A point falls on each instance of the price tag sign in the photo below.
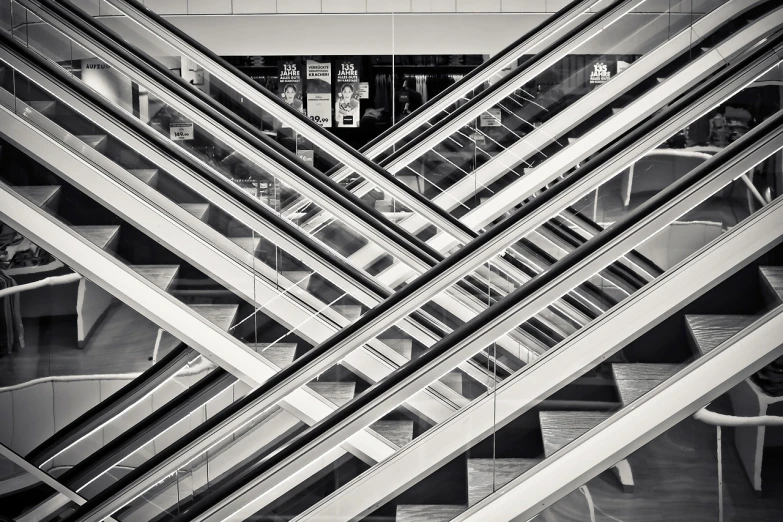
(364, 90)
(490, 118)
(181, 131)
(319, 109)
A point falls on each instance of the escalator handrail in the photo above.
(239, 478)
(771, 46)
(78, 21)
(502, 56)
(117, 402)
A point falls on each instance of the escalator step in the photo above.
(487, 475)
(708, 331)
(199, 210)
(104, 237)
(428, 513)
(559, 428)
(772, 279)
(148, 176)
(337, 393)
(47, 108)
(400, 432)
(160, 275)
(248, 244)
(98, 142)
(635, 379)
(40, 195)
(279, 354)
(221, 315)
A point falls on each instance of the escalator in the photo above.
(719, 89)
(565, 239)
(626, 31)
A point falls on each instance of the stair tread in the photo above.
(221, 315)
(428, 512)
(159, 275)
(337, 393)
(99, 235)
(559, 428)
(279, 354)
(403, 347)
(40, 195)
(454, 380)
(487, 475)
(709, 331)
(351, 312)
(93, 140)
(248, 244)
(145, 175)
(635, 379)
(400, 432)
(773, 275)
(198, 210)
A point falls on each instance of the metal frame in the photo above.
(649, 140)
(447, 127)
(62, 496)
(240, 84)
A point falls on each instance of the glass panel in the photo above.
(245, 243)
(213, 389)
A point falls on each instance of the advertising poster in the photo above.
(600, 73)
(319, 92)
(346, 107)
(290, 84)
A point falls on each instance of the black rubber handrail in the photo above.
(759, 53)
(243, 476)
(116, 403)
(356, 155)
(360, 211)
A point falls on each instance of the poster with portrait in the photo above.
(319, 92)
(290, 84)
(346, 106)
